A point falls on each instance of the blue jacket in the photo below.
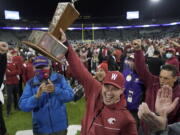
(49, 111)
(134, 89)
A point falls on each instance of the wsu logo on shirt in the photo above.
(111, 121)
(114, 76)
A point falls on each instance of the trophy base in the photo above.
(41, 51)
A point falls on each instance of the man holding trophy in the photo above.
(106, 113)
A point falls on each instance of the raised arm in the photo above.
(78, 69)
(140, 64)
(174, 43)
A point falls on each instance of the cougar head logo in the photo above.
(111, 120)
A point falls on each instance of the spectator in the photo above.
(134, 87)
(18, 60)
(112, 65)
(155, 62)
(168, 76)
(45, 95)
(101, 71)
(28, 70)
(3, 62)
(171, 58)
(12, 83)
(150, 50)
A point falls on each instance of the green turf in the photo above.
(22, 120)
(75, 111)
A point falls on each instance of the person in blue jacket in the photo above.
(45, 95)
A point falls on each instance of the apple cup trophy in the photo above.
(47, 43)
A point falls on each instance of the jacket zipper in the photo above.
(50, 114)
(97, 114)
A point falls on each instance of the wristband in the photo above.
(66, 43)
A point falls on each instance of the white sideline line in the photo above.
(72, 130)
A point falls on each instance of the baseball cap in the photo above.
(40, 61)
(115, 78)
(103, 66)
(170, 50)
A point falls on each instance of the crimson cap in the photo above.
(115, 78)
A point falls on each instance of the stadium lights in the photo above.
(96, 28)
(155, 1)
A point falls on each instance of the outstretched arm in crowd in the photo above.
(174, 43)
(140, 64)
(164, 105)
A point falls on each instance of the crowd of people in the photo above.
(130, 87)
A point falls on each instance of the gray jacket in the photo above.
(172, 129)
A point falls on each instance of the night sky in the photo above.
(39, 9)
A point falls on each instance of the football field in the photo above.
(19, 120)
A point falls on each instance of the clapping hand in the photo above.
(154, 122)
(41, 89)
(164, 104)
(49, 87)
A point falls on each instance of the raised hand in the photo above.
(164, 104)
(3, 47)
(41, 89)
(63, 36)
(137, 44)
(49, 87)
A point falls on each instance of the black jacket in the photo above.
(3, 62)
(155, 64)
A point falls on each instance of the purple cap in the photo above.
(40, 61)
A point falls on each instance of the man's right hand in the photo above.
(137, 44)
(63, 36)
(41, 89)
(3, 47)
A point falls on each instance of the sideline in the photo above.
(72, 130)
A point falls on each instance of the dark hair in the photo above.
(156, 52)
(171, 68)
